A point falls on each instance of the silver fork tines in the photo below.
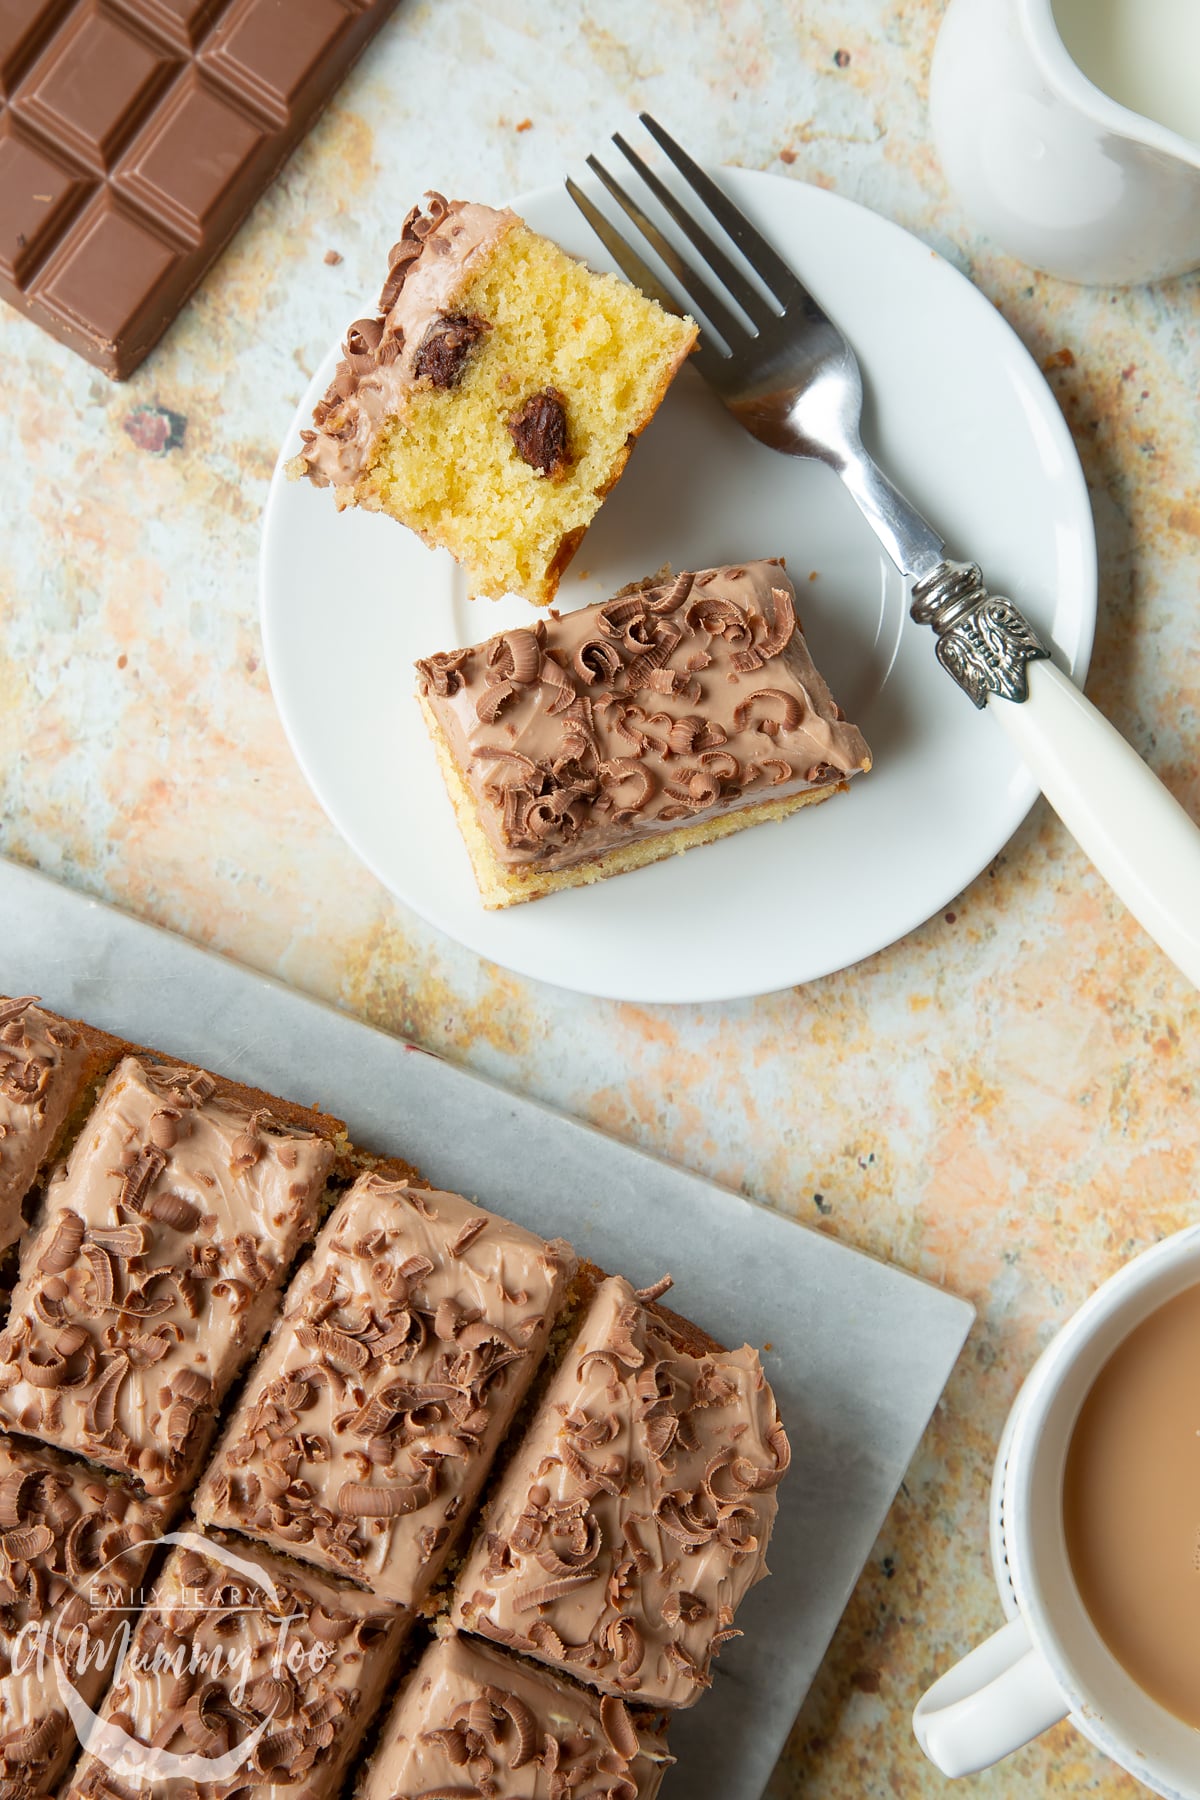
(772, 354)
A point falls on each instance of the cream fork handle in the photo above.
(1139, 837)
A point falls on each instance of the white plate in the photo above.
(960, 416)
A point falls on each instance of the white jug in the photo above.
(1096, 183)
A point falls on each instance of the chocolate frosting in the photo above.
(155, 1271)
(205, 1671)
(476, 1724)
(675, 702)
(75, 1547)
(406, 1344)
(636, 1513)
(387, 358)
(42, 1062)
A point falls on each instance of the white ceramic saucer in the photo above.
(962, 419)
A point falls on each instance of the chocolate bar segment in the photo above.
(407, 1342)
(75, 1545)
(246, 1675)
(135, 135)
(635, 1515)
(514, 1732)
(156, 1270)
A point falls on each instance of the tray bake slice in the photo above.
(156, 1268)
(469, 1713)
(597, 742)
(243, 1664)
(75, 1545)
(635, 1514)
(406, 1345)
(47, 1068)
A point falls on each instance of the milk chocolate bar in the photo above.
(135, 136)
(407, 1342)
(636, 1512)
(156, 1269)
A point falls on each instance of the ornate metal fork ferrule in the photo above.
(983, 640)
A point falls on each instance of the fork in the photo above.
(790, 377)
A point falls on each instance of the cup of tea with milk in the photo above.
(1096, 1543)
(1070, 129)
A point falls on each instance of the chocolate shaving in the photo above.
(25, 1543)
(16, 1489)
(524, 655)
(122, 1241)
(523, 1723)
(547, 1592)
(656, 1290)
(442, 673)
(102, 1402)
(470, 1231)
(618, 1727)
(101, 1267)
(145, 1169)
(63, 1248)
(334, 1347)
(363, 1502)
(779, 634)
(493, 700)
(793, 712)
(247, 1147)
(172, 1209)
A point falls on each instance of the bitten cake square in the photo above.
(156, 1269)
(46, 1064)
(75, 1545)
(406, 1344)
(246, 1676)
(608, 738)
(493, 403)
(471, 1720)
(636, 1513)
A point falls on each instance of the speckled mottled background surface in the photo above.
(1012, 1137)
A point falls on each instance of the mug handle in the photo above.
(1000, 1696)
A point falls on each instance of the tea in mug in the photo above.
(1131, 1504)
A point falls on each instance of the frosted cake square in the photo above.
(517, 1732)
(156, 1269)
(406, 1344)
(46, 1067)
(635, 1514)
(76, 1544)
(246, 1676)
(593, 743)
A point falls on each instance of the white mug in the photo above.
(1053, 169)
(1049, 1662)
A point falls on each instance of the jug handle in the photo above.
(1000, 1696)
